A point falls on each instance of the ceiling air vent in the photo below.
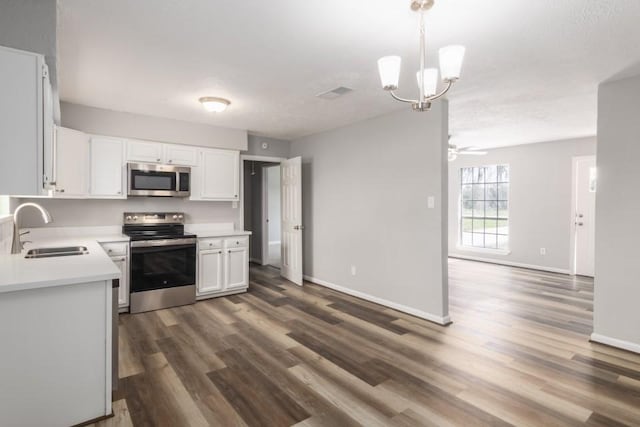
(334, 93)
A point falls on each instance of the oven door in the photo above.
(162, 264)
(158, 180)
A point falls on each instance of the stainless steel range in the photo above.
(163, 260)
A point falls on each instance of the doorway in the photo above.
(583, 215)
(261, 210)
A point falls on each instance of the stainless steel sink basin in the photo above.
(55, 252)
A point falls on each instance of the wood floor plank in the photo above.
(254, 396)
(518, 353)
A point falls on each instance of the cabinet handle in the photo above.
(229, 251)
(210, 244)
(158, 159)
(220, 252)
(119, 192)
(170, 161)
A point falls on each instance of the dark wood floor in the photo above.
(517, 353)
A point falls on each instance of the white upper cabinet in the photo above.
(181, 155)
(107, 168)
(158, 152)
(218, 175)
(26, 121)
(144, 151)
(71, 162)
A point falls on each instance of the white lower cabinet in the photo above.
(210, 271)
(123, 291)
(236, 263)
(119, 254)
(223, 266)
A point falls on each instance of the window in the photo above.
(484, 219)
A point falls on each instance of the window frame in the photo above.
(461, 217)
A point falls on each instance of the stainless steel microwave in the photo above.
(147, 179)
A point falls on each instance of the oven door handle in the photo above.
(167, 242)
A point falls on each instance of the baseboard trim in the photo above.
(444, 321)
(512, 264)
(256, 260)
(614, 342)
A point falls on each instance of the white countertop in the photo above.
(18, 273)
(214, 233)
(215, 230)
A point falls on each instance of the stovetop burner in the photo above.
(155, 226)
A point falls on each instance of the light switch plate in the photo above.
(431, 202)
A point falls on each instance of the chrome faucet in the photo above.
(16, 246)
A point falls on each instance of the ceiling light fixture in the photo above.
(213, 104)
(451, 58)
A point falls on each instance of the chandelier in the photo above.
(451, 58)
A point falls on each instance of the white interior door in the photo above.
(585, 211)
(291, 215)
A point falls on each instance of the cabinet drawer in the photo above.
(236, 242)
(206, 244)
(115, 249)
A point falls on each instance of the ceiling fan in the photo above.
(454, 152)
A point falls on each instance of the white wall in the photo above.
(275, 147)
(128, 125)
(365, 189)
(540, 201)
(272, 175)
(617, 288)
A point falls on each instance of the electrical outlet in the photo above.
(431, 202)
(353, 270)
(543, 251)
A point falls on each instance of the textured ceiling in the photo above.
(530, 75)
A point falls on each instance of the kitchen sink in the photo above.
(55, 252)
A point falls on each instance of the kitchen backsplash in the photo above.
(6, 234)
(79, 213)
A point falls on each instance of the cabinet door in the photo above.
(21, 107)
(144, 151)
(182, 155)
(209, 271)
(236, 268)
(123, 292)
(220, 174)
(71, 163)
(107, 168)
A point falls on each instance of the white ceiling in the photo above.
(530, 75)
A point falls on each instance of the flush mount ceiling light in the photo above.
(213, 104)
(451, 58)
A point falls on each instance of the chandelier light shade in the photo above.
(429, 79)
(213, 104)
(451, 58)
(389, 69)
